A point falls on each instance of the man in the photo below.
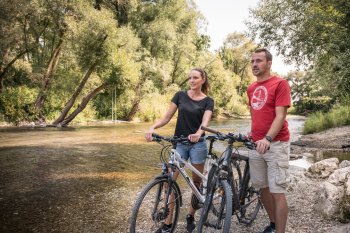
(269, 99)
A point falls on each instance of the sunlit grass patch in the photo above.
(338, 116)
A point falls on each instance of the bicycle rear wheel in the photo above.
(250, 203)
(154, 205)
(217, 209)
(235, 180)
(237, 175)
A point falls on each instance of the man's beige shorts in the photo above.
(272, 168)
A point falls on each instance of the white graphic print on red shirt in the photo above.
(259, 98)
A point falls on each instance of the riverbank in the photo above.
(334, 139)
(86, 179)
(302, 191)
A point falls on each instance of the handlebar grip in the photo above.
(156, 135)
(210, 130)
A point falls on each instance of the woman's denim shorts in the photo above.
(197, 153)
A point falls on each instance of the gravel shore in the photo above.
(80, 182)
(302, 216)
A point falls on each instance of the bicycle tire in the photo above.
(235, 180)
(237, 172)
(150, 209)
(250, 202)
(219, 194)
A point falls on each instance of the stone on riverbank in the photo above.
(344, 163)
(332, 197)
(323, 168)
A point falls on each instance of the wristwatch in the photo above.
(268, 138)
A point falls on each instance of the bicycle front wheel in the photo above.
(217, 209)
(158, 201)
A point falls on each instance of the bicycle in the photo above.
(162, 197)
(245, 198)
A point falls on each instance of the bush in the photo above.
(154, 105)
(15, 103)
(313, 104)
(338, 116)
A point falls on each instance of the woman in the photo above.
(195, 110)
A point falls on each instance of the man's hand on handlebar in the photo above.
(262, 146)
(249, 135)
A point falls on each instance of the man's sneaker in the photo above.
(190, 223)
(164, 229)
(270, 229)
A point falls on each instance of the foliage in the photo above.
(223, 90)
(307, 93)
(236, 54)
(135, 54)
(15, 102)
(154, 104)
(313, 33)
(338, 116)
(301, 30)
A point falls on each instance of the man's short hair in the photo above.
(268, 55)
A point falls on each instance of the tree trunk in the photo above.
(134, 109)
(75, 95)
(70, 103)
(176, 61)
(82, 105)
(136, 101)
(39, 103)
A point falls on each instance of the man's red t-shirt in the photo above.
(264, 97)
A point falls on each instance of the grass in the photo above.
(337, 116)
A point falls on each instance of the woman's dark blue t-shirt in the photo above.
(190, 113)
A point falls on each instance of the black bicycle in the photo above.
(245, 198)
(161, 198)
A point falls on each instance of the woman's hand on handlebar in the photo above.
(148, 134)
(194, 137)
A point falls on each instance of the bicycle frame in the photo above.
(179, 163)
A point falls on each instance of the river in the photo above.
(83, 178)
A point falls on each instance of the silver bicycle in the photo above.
(161, 198)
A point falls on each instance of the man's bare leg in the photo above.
(268, 202)
(281, 211)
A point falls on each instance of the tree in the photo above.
(224, 90)
(307, 92)
(169, 35)
(314, 33)
(235, 54)
(103, 50)
(16, 33)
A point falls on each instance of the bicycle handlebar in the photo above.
(236, 138)
(210, 130)
(174, 139)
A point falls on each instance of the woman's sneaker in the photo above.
(164, 229)
(190, 223)
(270, 228)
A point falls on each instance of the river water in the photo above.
(84, 178)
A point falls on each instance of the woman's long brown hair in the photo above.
(206, 86)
